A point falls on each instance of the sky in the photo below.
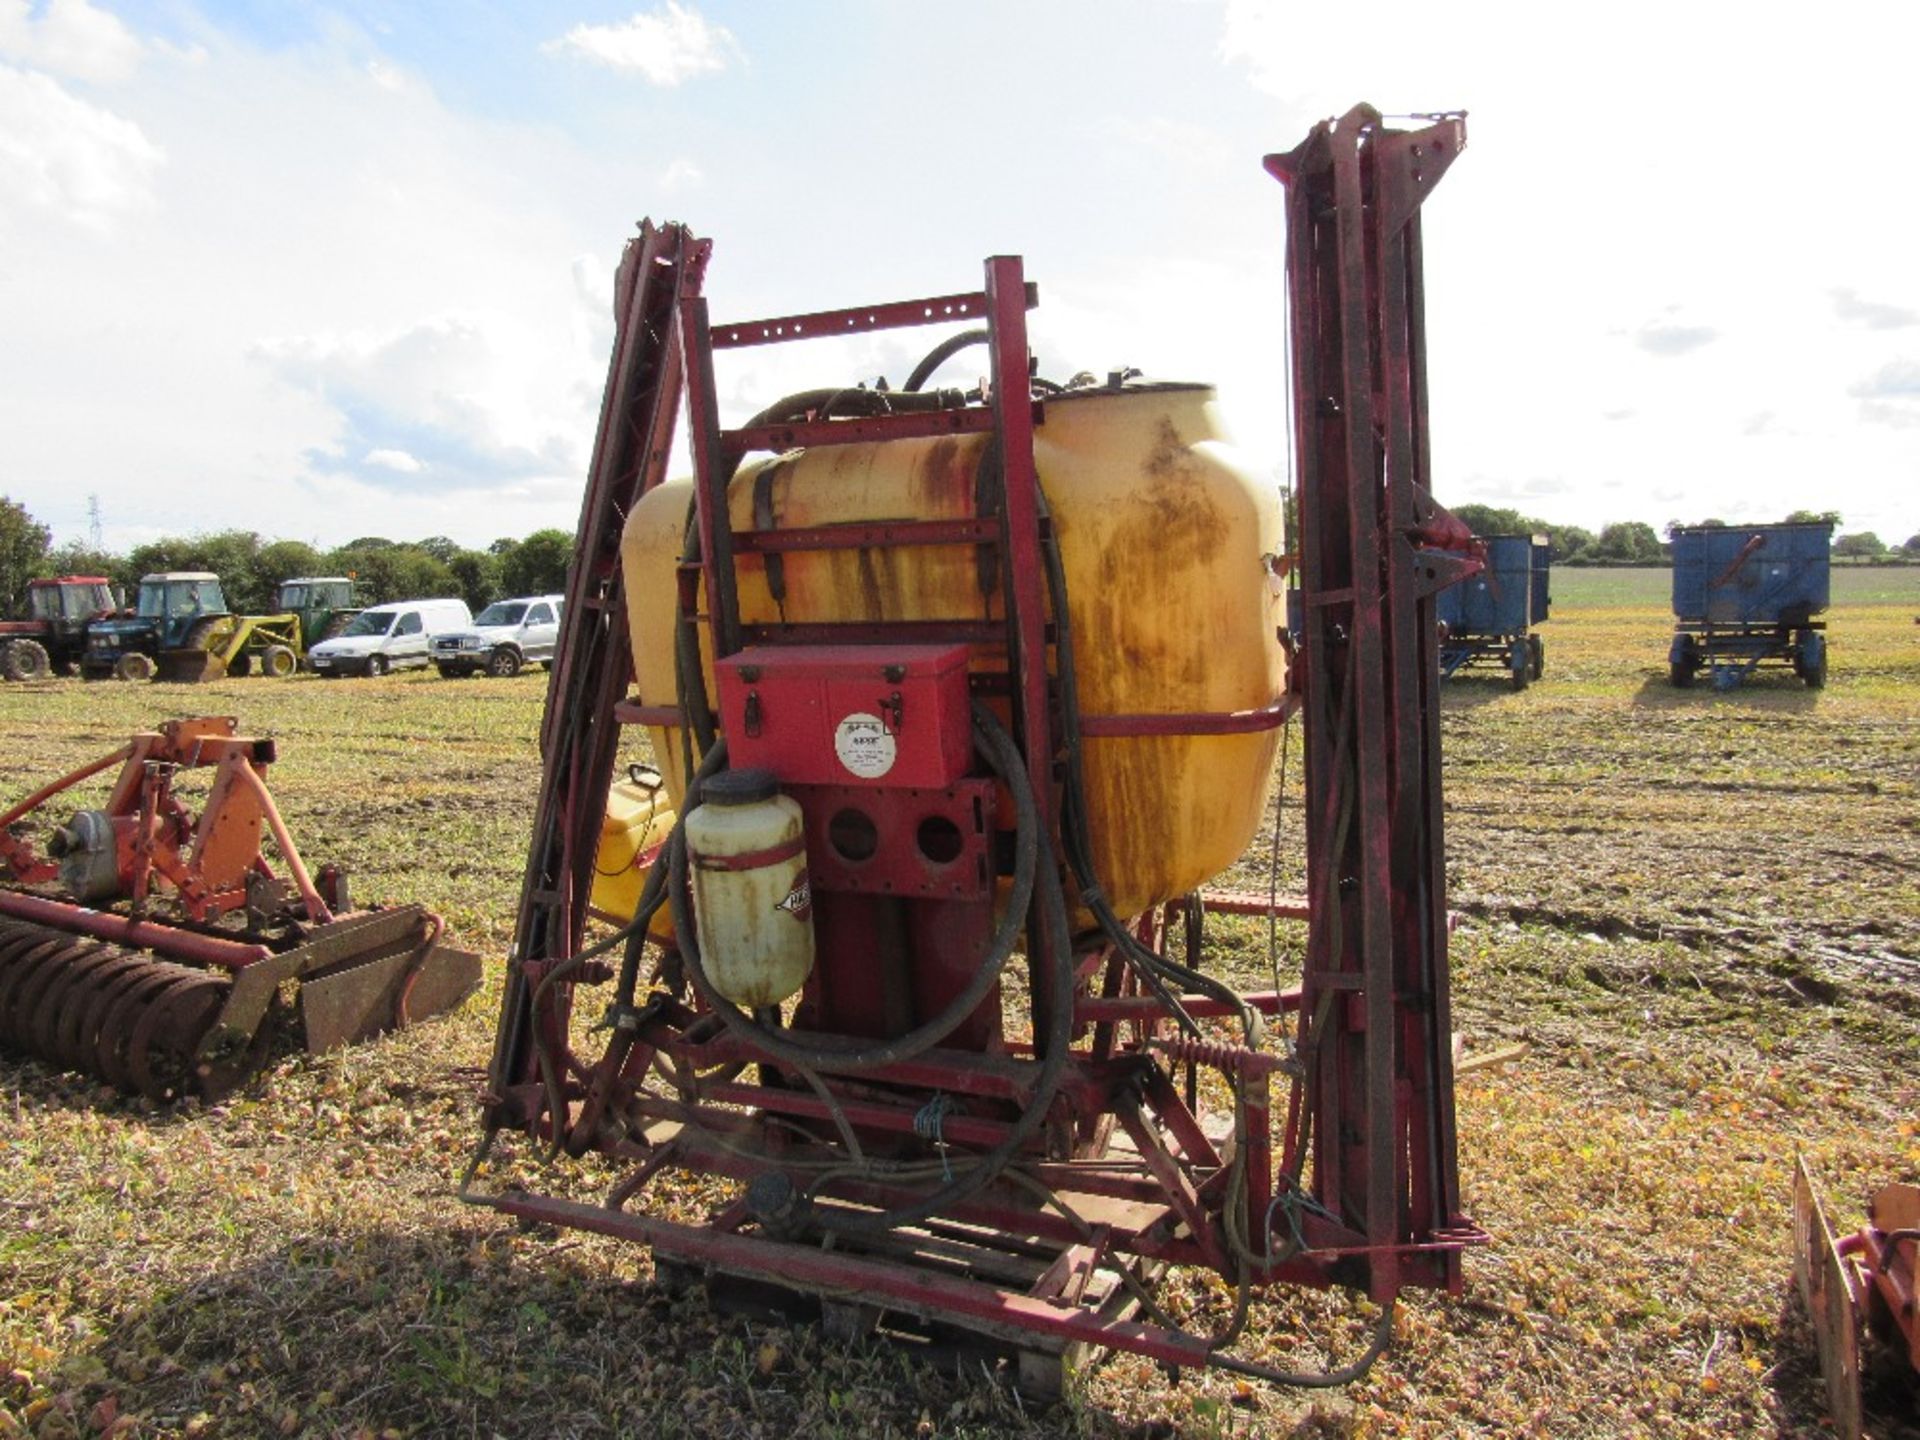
(334, 270)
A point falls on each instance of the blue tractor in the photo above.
(1488, 619)
(170, 605)
(1746, 596)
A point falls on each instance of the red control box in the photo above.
(893, 715)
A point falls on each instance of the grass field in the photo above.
(1699, 911)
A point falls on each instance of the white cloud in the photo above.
(670, 45)
(436, 404)
(59, 153)
(1874, 314)
(1673, 337)
(69, 38)
(397, 460)
(682, 174)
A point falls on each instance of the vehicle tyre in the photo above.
(1537, 655)
(453, 672)
(277, 662)
(134, 666)
(241, 665)
(25, 660)
(504, 663)
(1520, 662)
(1810, 660)
(1680, 674)
(376, 666)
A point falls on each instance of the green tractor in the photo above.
(325, 604)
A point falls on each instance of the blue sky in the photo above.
(334, 270)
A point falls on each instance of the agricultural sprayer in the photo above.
(152, 948)
(962, 697)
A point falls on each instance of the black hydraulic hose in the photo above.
(791, 409)
(842, 1054)
(943, 352)
(1316, 1379)
(1053, 1063)
(690, 682)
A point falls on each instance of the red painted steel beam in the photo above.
(1198, 722)
(1202, 1007)
(164, 940)
(858, 319)
(1239, 902)
(878, 632)
(925, 1292)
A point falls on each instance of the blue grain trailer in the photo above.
(1488, 619)
(1746, 596)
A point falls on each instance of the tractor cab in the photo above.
(177, 600)
(169, 606)
(324, 603)
(65, 605)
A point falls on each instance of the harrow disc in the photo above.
(134, 1021)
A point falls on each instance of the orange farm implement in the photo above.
(148, 946)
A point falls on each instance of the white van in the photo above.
(394, 636)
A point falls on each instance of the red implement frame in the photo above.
(1869, 1280)
(1135, 1178)
(1376, 977)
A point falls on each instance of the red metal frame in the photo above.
(1359, 1157)
(1375, 984)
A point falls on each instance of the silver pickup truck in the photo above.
(506, 636)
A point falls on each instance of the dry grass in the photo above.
(1700, 910)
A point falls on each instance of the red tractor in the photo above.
(53, 636)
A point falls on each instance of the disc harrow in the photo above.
(151, 948)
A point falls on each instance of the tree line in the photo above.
(251, 567)
(1634, 542)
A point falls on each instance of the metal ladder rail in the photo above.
(1377, 938)
(1009, 420)
(593, 664)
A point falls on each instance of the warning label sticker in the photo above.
(865, 746)
(799, 901)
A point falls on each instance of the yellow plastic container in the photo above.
(1168, 541)
(638, 820)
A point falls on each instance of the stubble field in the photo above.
(1700, 912)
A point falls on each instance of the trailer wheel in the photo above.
(1537, 655)
(1810, 659)
(25, 660)
(133, 666)
(1520, 662)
